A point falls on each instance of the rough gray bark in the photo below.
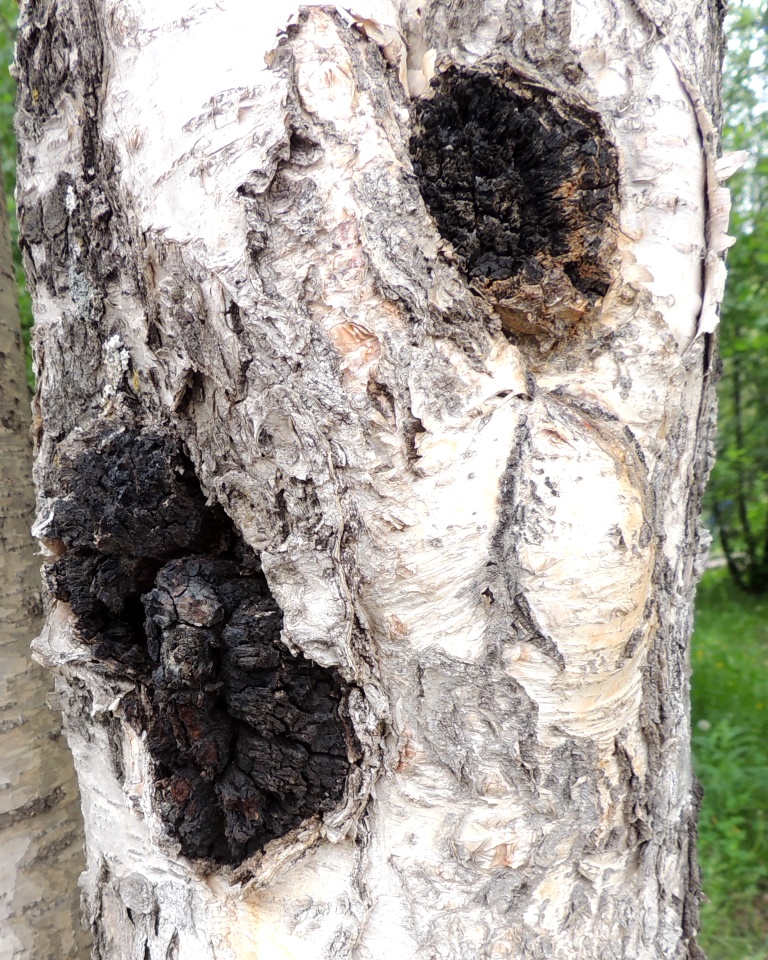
(41, 831)
(374, 415)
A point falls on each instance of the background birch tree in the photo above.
(41, 833)
(374, 411)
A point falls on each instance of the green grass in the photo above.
(730, 746)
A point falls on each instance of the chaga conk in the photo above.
(247, 739)
(524, 186)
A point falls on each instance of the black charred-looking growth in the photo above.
(247, 740)
(515, 179)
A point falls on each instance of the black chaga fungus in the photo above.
(232, 707)
(524, 187)
(246, 739)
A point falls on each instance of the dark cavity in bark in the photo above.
(523, 185)
(246, 739)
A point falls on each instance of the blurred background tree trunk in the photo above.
(41, 831)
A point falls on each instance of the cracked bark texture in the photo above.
(41, 830)
(419, 305)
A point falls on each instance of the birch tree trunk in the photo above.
(41, 831)
(374, 412)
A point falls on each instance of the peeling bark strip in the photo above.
(246, 739)
(442, 364)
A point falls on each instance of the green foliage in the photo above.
(8, 12)
(730, 646)
(730, 732)
(8, 15)
(738, 492)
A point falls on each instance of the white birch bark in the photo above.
(41, 831)
(477, 500)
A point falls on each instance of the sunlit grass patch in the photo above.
(730, 745)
